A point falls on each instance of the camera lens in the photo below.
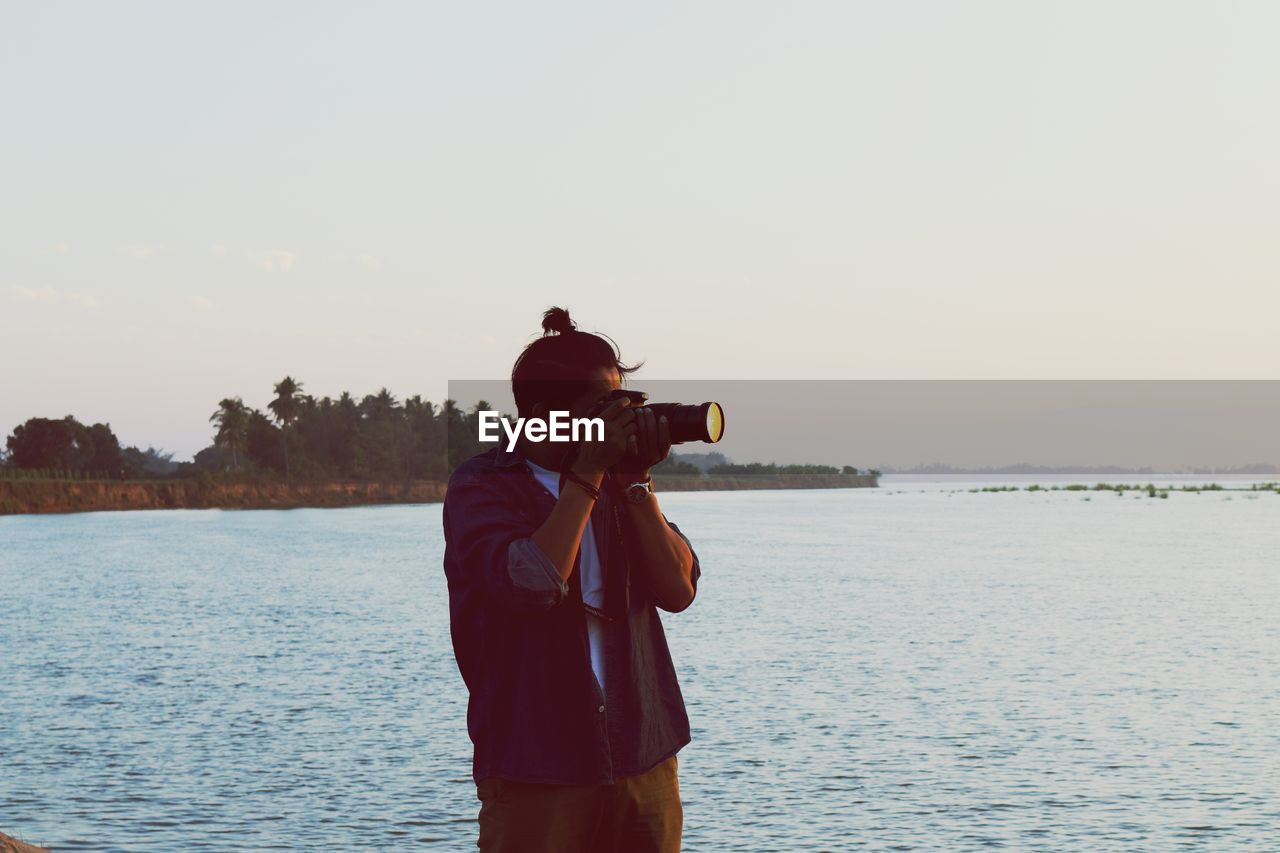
(715, 422)
(692, 423)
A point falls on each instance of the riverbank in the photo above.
(781, 481)
(9, 844)
(23, 497)
(19, 497)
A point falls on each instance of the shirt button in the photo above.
(600, 709)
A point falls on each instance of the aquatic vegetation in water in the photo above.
(1120, 489)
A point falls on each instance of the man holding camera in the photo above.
(556, 564)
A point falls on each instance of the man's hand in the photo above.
(650, 444)
(620, 429)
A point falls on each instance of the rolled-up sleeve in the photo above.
(694, 573)
(490, 536)
(533, 577)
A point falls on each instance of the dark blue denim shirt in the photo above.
(536, 712)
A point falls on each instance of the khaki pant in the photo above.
(636, 813)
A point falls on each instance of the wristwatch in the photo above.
(639, 492)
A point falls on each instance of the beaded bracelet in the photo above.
(578, 481)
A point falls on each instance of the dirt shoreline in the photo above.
(9, 844)
(25, 497)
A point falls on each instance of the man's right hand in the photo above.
(595, 457)
(561, 534)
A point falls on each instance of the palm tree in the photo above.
(380, 406)
(285, 407)
(232, 419)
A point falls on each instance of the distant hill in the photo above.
(704, 462)
(1259, 468)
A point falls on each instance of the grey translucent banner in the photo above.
(1205, 427)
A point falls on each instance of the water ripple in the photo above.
(863, 670)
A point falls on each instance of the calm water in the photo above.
(910, 667)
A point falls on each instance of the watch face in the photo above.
(637, 492)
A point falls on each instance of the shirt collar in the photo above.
(508, 458)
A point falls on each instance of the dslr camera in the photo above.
(703, 422)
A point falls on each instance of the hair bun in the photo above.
(557, 320)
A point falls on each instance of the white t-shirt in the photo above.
(592, 577)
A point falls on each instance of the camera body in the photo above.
(703, 422)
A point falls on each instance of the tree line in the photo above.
(757, 469)
(64, 448)
(298, 437)
(377, 438)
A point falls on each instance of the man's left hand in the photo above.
(650, 445)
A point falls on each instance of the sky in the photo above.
(198, 199)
